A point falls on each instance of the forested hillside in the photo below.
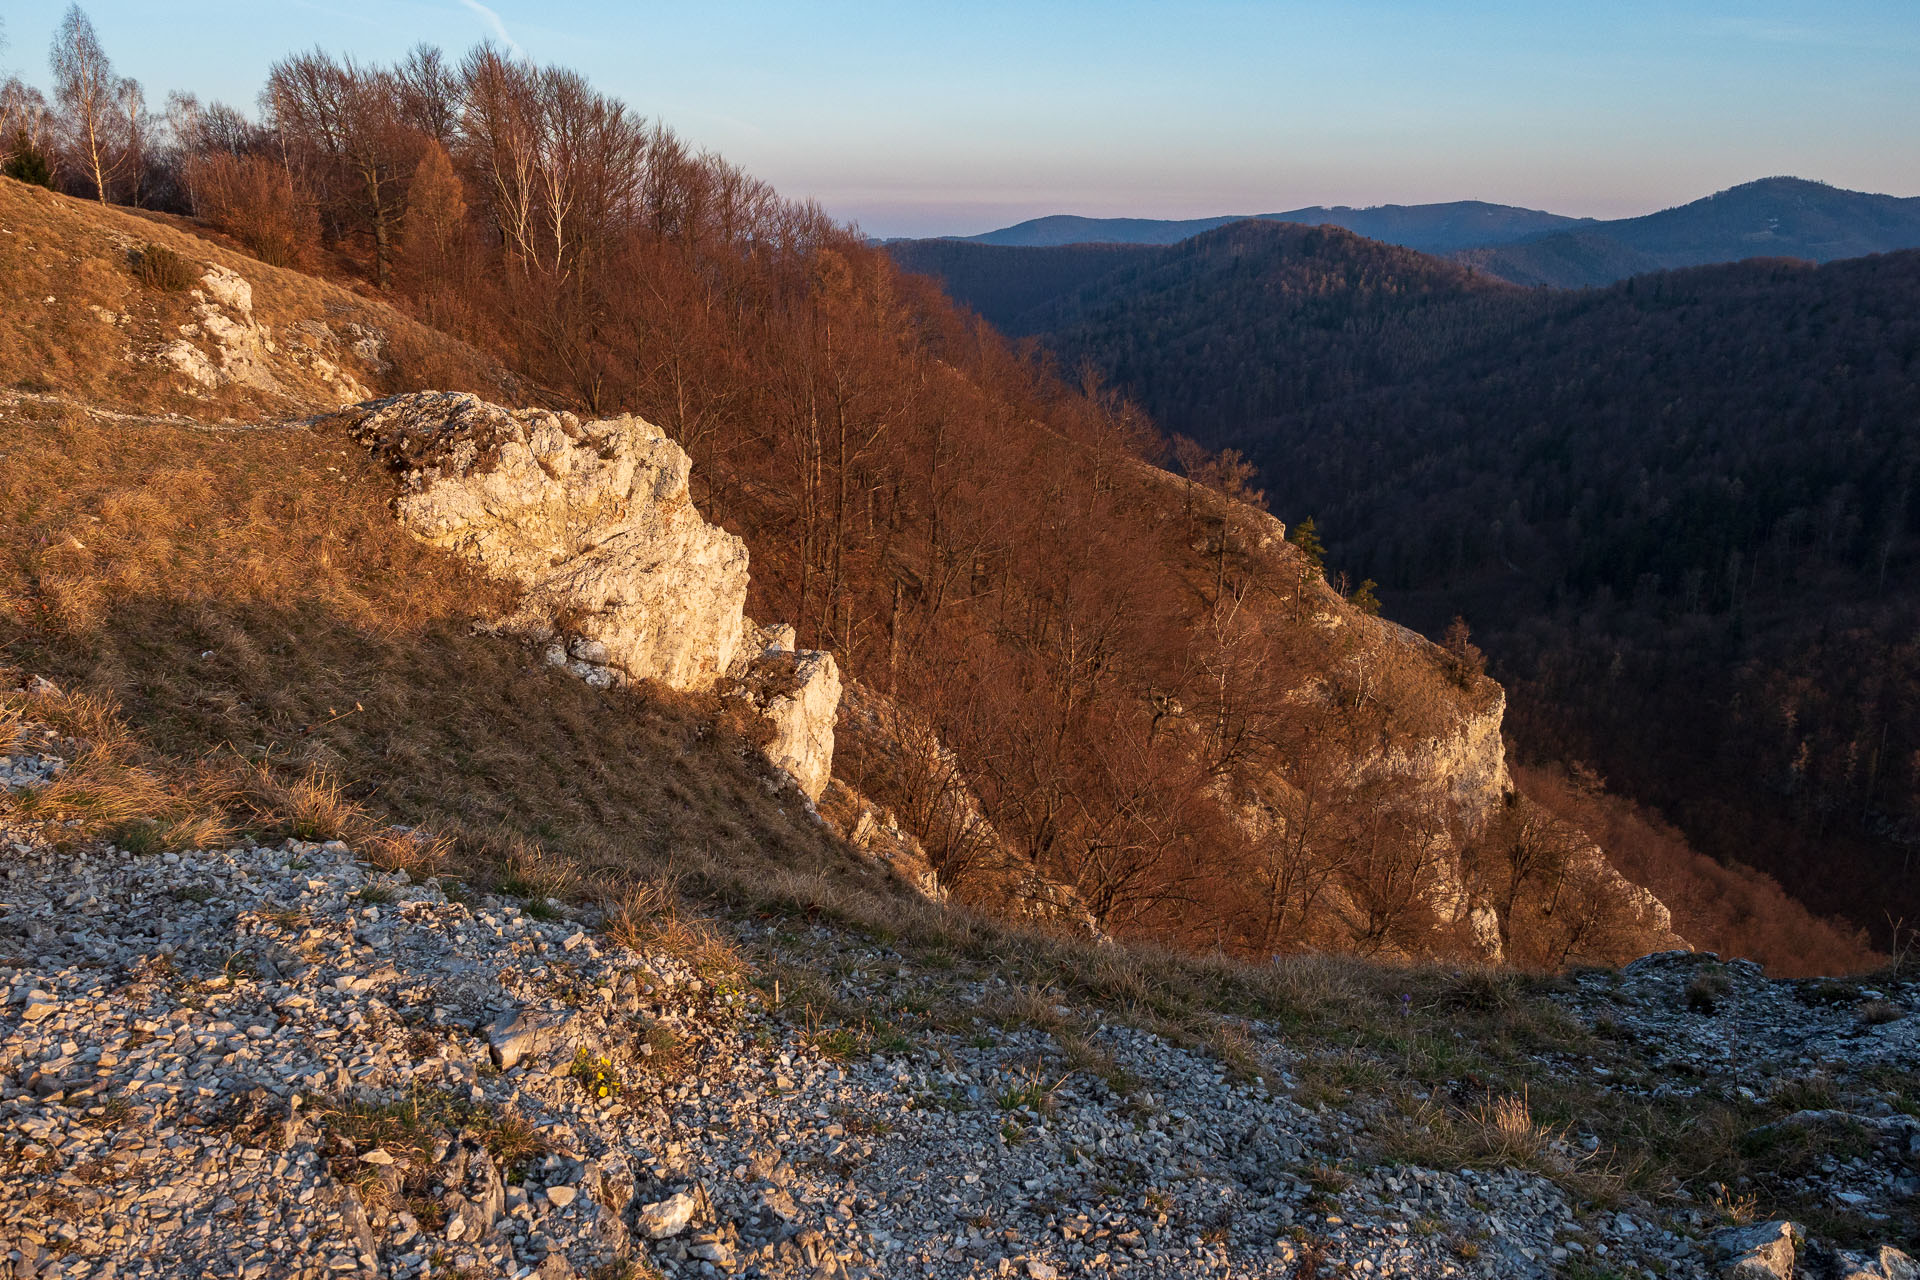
(1137, 687)
(1014, 287)
(1679, 512)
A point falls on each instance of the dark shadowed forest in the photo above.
(1678, 512)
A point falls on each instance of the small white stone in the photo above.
(667, 1217)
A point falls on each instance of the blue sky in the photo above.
(954, 118)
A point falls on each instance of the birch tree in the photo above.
(90, 96)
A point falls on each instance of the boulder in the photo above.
(798, 695)
(620, 577)
(591, 520)
(1886, 1263)
(669, 1217)
(522, 1035)
(475, 1196)
(609, 1184)
(1763, 1251)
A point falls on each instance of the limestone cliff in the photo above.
(1382, 763)
(619, 575)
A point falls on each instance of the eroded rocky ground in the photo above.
(277, 1061)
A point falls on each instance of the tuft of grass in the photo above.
(313, 806)
(636, 911)
(418, 853)
(1877, 1013)
(1735, 1210)
(834, 1043)
(1089, 1057)
(1234, 1047)
(1707, 990)
(1500, 1131)
(1028, 1090)
(1507, 1131)
(158, 267)
(665, 1053)
(1478, 991)
(201, 830)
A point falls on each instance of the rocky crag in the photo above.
(1431, 755)
(621, 579)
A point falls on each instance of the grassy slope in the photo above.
(246, 595)
(64, 262)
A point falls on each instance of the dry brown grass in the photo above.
(71, 265)
(247, 602)
(159, 267)
(114, 788)
(1496, 1132)
(1507, 1130)
(312, 805)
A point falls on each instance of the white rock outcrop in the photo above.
(592, 520)
(621, 578)
(227, 345)
(238, 349)
(797, 692)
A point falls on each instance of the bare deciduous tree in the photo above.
(343, 122)
(91, 97)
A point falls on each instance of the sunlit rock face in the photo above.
(592, 520)
(621, 578)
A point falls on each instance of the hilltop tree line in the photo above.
(966, 529)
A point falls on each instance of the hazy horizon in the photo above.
(962, 121)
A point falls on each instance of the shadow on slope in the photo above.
(246, 595)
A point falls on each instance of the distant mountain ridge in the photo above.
(1430, 228)
(1771, 217)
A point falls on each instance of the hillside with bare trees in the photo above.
(1145, 680)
